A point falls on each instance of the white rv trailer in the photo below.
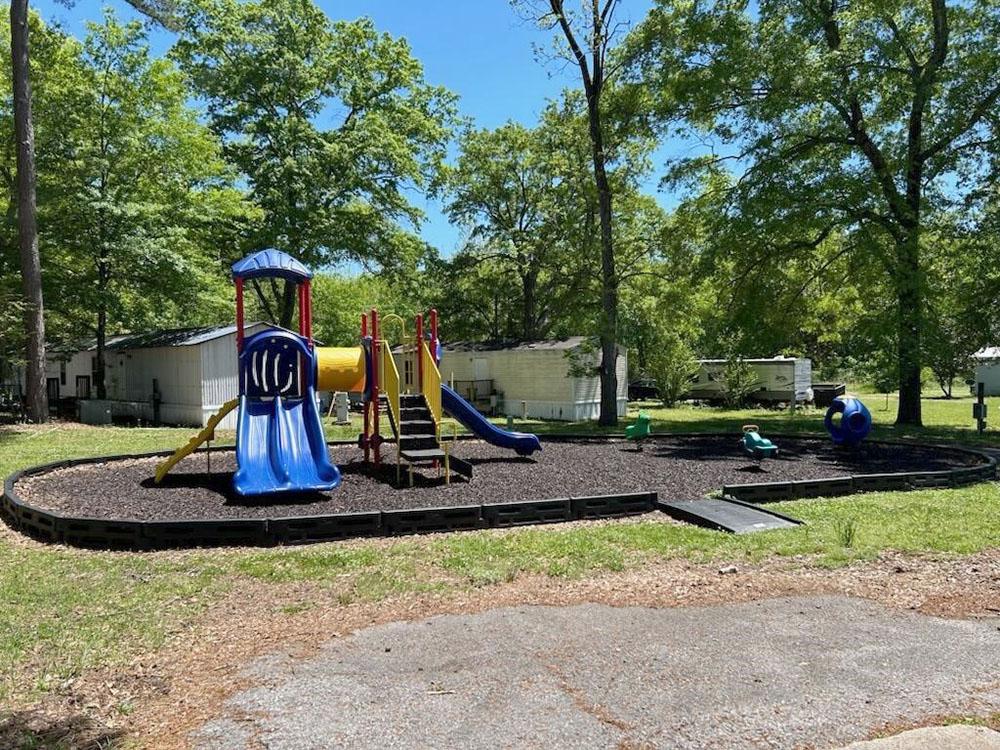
(780, 379)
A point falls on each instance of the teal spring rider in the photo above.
(755, 445)
(855, 421)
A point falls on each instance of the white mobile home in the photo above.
(179, 376)
(69, 370)
(988, 369)
(779, 379)
(529, 379)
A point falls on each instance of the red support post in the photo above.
(434, 333)
(376, 361)
(239, 315)
(420, 360)
(367, 412)
(300, 291)
(308, 307)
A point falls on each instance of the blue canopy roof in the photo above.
(270, 263)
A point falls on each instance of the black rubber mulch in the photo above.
(677, 468)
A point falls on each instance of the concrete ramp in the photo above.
(726, 514)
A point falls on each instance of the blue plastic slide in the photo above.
(280, 447)
(522, 442)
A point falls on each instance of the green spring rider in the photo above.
(641, 429)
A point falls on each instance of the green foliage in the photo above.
(133, 194)
(339, 301)
(857, 124)
(330, 123)
(532, 264)
(847, 531)
(739, 381)
(672, 365)
(504, 190)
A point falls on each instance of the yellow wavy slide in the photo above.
(192, 445)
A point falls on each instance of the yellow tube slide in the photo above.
(340, 368)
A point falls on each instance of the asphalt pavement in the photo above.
(783, 673)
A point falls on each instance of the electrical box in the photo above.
(342, 407)
(979, 411)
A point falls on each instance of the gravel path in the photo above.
(781, 673)
(677, 468)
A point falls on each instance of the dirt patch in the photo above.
(676, 468)
(183, 685)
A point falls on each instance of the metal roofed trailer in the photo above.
(780, 380)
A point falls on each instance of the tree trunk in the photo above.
(101, 366)
(101, 355)
(910, 313)
(609, 278)
(529, 322)
(36, 398)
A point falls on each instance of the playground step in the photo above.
(414, 412)
(416, 427)
(422, 454)
(411, 442)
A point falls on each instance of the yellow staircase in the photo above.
(192, 445)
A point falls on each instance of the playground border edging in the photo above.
(105, 533)
(102, 533)
(771, 492)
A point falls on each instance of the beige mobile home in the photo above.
(528, 379)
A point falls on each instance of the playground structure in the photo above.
(854, 424)
(280, 445)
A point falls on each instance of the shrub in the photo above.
(672, 367)
(739, 381)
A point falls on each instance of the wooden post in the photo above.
(979, 409)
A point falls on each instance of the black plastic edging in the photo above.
(768, 492)
(169, 533)
(106, 533)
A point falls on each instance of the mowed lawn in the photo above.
(67, 610)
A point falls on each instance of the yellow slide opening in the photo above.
(340, 368)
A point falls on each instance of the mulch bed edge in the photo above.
(52, 526)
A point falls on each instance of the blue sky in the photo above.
(480, 49)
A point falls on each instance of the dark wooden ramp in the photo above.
(726, 514)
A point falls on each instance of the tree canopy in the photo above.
(331, 124)
(863, 118)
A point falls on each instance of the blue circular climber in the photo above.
(855, 421)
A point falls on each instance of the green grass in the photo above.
(66, 611)
(944, 419)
